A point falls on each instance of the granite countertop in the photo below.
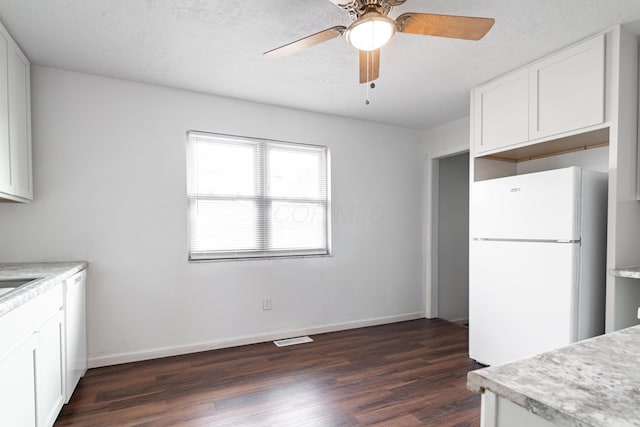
(49, 273)
(632, 272)
(591, 383)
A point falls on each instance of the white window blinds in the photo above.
(253, 198)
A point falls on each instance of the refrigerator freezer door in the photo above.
(522, 299)
(536, 206)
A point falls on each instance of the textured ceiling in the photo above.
(215, 46)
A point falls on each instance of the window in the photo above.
(252, 198)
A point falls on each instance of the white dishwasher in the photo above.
(76, 330)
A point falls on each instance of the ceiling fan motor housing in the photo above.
(358, 8)
(343, 4)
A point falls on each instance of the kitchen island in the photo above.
(593, 383)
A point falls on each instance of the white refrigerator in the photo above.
(537, 263)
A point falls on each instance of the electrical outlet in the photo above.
(266, 303)
(638, 312)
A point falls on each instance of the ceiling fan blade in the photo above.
(369, 65)
(341, 3)
(457, 27)
(306, 42)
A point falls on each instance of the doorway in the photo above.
(447, 235)
(453, 238)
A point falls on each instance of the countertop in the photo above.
(632, 272)
(591, 383)
(49, 273)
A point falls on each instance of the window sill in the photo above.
(261, 258)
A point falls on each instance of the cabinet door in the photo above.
(50, 375)
(18, 390)
(20, 123)
(501, 112)
(568, 89)
(500, 412)
(6, 185)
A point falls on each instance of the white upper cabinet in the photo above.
(6, 184)
(568, 89)
(560, 94)
(15, 121)
(20, 123)
(501, 109)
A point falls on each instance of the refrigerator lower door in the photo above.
(522, 299)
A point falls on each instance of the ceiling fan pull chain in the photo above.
(366, 102)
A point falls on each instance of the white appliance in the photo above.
(537, 263)
(75, 330)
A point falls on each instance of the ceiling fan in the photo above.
(372, 28)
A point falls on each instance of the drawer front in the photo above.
(18, 324)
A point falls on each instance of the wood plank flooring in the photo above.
(402, 374)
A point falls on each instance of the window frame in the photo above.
(263, 201)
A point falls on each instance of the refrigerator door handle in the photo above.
(484, 239)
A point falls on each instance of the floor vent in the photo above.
(292, 341)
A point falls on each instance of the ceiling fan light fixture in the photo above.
(372, 31)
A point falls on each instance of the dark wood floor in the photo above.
(403, 374)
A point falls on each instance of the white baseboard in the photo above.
(115, 359)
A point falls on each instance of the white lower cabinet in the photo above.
(43, 354)
(500, 412)
(18, 389)
(50, 378)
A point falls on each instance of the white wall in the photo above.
(109, 164)
(453, 238)
(446, 140)
(450, 138)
